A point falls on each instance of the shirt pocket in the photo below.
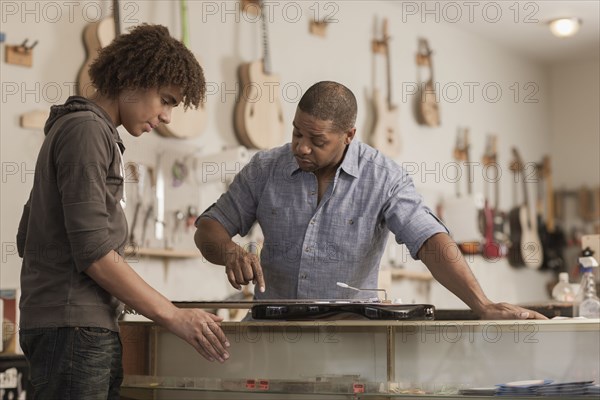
(274, 221)
(345, 240)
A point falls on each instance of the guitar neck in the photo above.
(265, 38)
(185, 33)
(388, 63)
(489, 159)
(521, 172)
(550, 224)
(425, 52)
(468, 160)
(116, 17)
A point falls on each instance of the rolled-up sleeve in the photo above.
(411, 221)
(236, 208)
(83, 158)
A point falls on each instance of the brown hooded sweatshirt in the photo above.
(73, 217)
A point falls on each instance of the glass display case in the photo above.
(351, 359)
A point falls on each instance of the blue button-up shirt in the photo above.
(311, 245)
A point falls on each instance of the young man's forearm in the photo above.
(117, 277)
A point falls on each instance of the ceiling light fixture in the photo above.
(564, 27)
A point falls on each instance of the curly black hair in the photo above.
(148, 57)
(331, 101)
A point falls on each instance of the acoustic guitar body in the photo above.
(96, 36)
(185, 124)
(258, 114)
(385, 136)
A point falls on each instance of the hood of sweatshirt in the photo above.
(76, 104)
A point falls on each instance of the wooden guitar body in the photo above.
(258, 114)
(96, 35)
(427, 107)
(385, 136)
(185, 124)
(426, 104)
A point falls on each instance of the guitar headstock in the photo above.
(516, 165)
(461, 149)
(490, 154)
(252, 7)
(546, 167)
(379, 45)
(423, 53)
(386, 36)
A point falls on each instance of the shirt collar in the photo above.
(349, 164)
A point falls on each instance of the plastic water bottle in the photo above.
(562, 290)
(587, 303)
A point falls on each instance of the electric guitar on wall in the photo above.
(460, 212)
(96, 36)
(525, 248)
(258, 116)
(188, 123)
(551, 236)
(491, 248)
(385, 136)
(426, 104)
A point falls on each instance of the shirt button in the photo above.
(307, 249)
(313, 193)
(303, 276)
(312, 222)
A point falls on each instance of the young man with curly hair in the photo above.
(73, 229)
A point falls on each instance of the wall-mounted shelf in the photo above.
(164, 253)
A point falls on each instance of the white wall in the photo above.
(223, 39)
(575, 133)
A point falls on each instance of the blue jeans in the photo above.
(73, 363)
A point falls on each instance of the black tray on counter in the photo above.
(372, 311)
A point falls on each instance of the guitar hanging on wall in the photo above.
(460, 212)
(258, 116)
(386, 134)
(492, 247)
(551, 236)
(185, 124)
(426, 104)
(526, 248)
(96, 36)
